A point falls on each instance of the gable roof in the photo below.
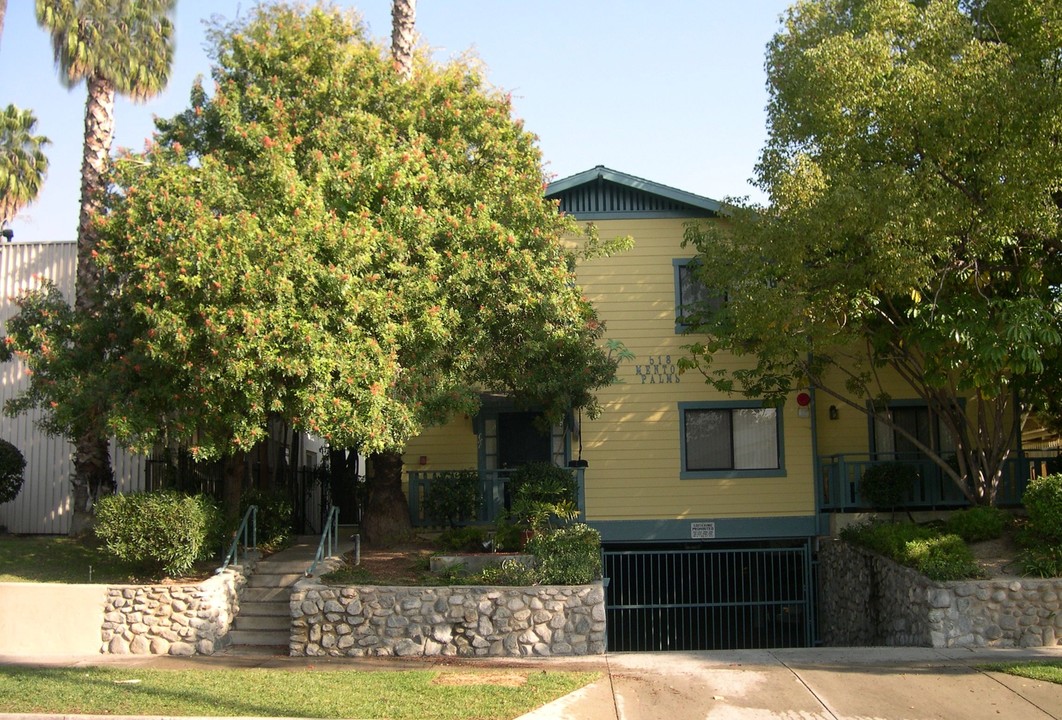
(602, 193)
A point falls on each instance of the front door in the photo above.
(521, 441)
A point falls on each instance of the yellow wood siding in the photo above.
(450, 447)
(634, 448)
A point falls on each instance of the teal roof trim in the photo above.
(617, 194)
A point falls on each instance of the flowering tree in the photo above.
(322, 240)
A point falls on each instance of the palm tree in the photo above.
(403, 34)
(115, 46)
(23, 164)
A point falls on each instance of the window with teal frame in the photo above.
(691, 294)
(731, 440)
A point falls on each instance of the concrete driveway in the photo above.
(809, 684)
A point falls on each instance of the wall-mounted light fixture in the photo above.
(834, 412)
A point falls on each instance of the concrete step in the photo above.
(260, 637)
(267, 579)
(283, 567)
(276, 608)
(265, 594)
(262, 622)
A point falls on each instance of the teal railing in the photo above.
(839, 489)
(246, 534)
(329, 539)
(493, 494)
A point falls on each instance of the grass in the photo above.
(61, 559)
(420, 694)
(1045, 671)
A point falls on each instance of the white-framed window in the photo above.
(731, 439)
(691, 294)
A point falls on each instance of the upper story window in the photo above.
(730, 439)
(691, 294)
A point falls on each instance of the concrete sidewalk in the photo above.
(803, 684)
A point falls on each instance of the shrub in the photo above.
(1044, 562)
(274, 520)
(510, 572)
(1043, 503)
(161, 530)
(885, 486)
(568, 556)
(541, 492)
(453, 497)
(978, 523)
(466, 539)
(936, 555)
(11, 466)
(944, 557)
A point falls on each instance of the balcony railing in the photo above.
(841, 475)
(493, 494)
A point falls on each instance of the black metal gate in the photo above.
(710, 597)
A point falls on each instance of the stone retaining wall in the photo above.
(172, 619)
(455, 620)
(866, 599)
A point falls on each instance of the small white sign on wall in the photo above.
(702, 530)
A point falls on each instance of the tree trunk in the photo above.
(93, 475)
(386, 519)
(235, 468)
(403, 35)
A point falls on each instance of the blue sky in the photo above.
(672, 91)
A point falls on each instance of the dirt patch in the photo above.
(405, 564)
(501, 678)
(998, 557)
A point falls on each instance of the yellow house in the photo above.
(708, 504)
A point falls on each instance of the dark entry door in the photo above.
(520, 441)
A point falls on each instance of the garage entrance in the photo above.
(710, 597)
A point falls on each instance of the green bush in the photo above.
(978, 523)
(937, 555)
(1043, 503)
(11, 466)
(453, 498)
(466, 539)
(161, 530)
(886, 486)
(510, 572)
(274, 521)
(1044, 562)
(568, 556)
(542, 492)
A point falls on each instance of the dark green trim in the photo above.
(672, 530)
(714, 207)
(728, 405)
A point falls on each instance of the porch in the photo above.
(840, 478)
(493, 493)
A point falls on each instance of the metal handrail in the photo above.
(329, 536)
(250, 518)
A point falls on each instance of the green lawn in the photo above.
(1046, 671)
(416, 695)
(60, 559)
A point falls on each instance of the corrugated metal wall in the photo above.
(43, 506)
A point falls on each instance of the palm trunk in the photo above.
(403, 35)
(386, 519)
(93, 475)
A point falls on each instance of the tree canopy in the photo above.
(914, 169)
(320, 239)
(23, 163)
